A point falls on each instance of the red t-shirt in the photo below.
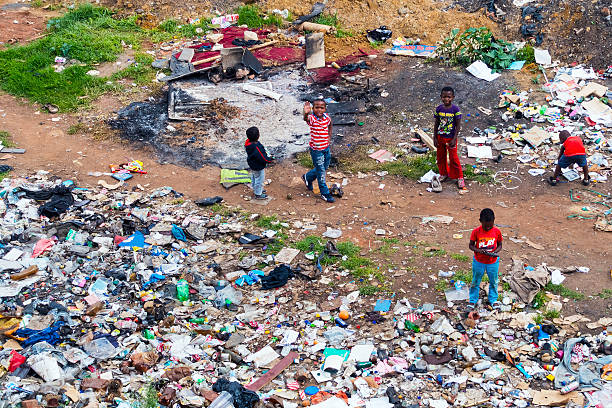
(319, 131)
(488, 240)
(573, 146)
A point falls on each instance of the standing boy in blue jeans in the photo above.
(486, 242)
(320, 134)
(258, 159)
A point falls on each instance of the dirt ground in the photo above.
(21, 23)
(533, 210)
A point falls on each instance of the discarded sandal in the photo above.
(553, 181)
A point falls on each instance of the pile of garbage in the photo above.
(576, 104)
(135, 298)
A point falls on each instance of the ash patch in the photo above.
(185, 143)
(142, 121)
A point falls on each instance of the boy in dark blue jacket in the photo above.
(257, 158)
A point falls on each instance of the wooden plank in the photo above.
(256, 90)
(315, 51)
(426, 139)
(218, 57)
(273, 372)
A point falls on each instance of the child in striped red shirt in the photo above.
(320, 133)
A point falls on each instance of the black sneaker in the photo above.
(306, 183)
(328, 198)
(262, 196)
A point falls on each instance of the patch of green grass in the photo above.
(527, 54)
(149, 397)
(389, 246)
(269, 222)
(36, 3)
(552, 314)
(483, 176)
(464, 276)
(327, 19)
(304, 159)
(170, 29)
(369, 290)
(222, 209)
(563, 291)
(140, 71)
(76, 128)
(605, 294)
(253, 17)
(354, 263)
(311, 240)
(348, 249)
(539, 300)
(441, 285)
(6, 139)
(341, 33)
(87, 35)
(505, 286)
(377, 44)
(437, 252)
(412, 167)
(278, 243)
(538, 319)
(334, 21)
(460, 257)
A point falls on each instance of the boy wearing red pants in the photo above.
(446, 130)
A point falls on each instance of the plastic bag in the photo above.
(381, 34)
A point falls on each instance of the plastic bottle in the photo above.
(182, 290)
(224, 400)
(570, 387)
(481, 366)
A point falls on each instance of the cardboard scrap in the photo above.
(382, 156)
(286, 255)
(592, 88)
(553, 398)
(535, 136)
(480, 152)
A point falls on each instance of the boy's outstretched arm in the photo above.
(436, 124)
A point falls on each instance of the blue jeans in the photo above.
(320, 159)
(478, 271)
(257, 180)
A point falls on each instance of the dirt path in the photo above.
(534, 211)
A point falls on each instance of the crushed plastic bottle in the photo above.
(224, 400)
